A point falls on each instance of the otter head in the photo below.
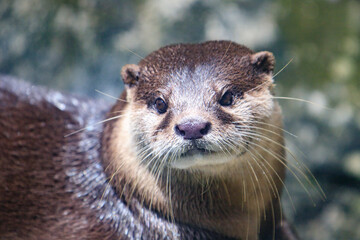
(193, 104)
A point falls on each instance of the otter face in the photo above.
(194, 104)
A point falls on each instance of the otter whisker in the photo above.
(110, 180)
(226, 191)
(132, 114)
(283, 68)
(266, 124)
(259, 187)
(264, 137)
(155, 167)
(223, 143)
(258, 128)
(131, 51)
(155, 171)
(161, 162)
(302, 100)
(271, 184)
(277, 195)
(318, 188)
(283, 162)
(92, 125)
(226, 51)
(244, 198)
(277, 175)
(259, 86)
(108, 95)
(150, 152)
(228, 143)
(248, 225)
(169, 183)
(256, 194)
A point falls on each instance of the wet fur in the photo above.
(92, 184)
(240, 198)
(55, 187)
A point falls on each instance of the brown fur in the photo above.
(54, 187)
(93, 184)
(211, 197)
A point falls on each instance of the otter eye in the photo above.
(160, 105)
(226, 99)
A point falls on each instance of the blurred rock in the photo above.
(352, 164)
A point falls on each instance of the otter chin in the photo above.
(192, 149)
(200, 158)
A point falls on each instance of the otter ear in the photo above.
(130, 74)
(263, 61)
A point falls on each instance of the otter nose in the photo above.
(193, 129)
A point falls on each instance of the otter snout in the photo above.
(193, 129)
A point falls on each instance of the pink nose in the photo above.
(193, 129)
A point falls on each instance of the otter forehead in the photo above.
(197, 71)
(191, 55)
(190, 88)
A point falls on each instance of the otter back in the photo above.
(54, 187)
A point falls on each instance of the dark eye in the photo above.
(226, 99)
(160, 105)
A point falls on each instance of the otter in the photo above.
(192, 149)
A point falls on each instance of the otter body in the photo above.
(54, 187)
(193, 149)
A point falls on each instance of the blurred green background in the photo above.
(80, 45)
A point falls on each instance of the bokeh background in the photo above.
(78, 46)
